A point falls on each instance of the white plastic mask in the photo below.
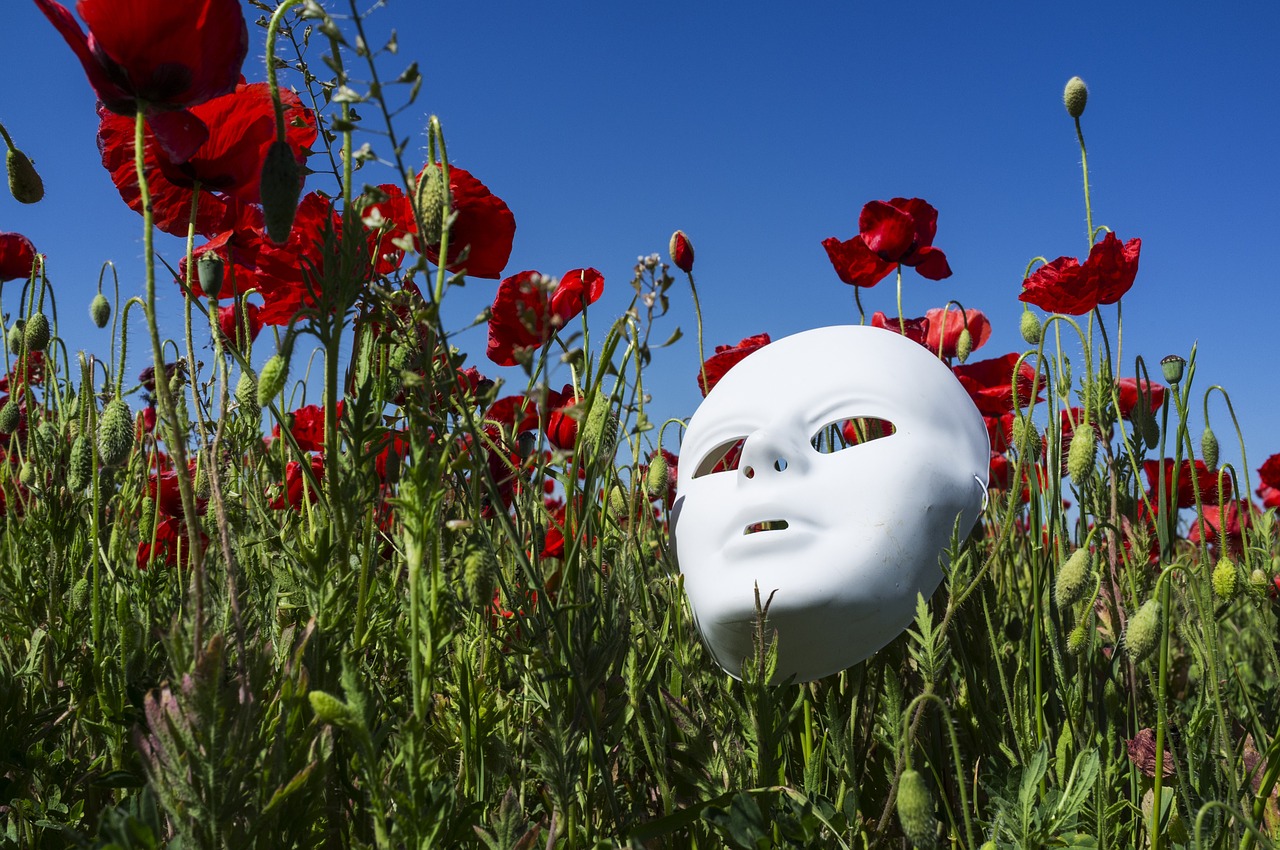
(846, 537)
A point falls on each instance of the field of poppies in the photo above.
(433, 609)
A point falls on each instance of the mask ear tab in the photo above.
(723, 458)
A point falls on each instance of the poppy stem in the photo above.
(902, 323)
(1084, 164)
(272, 29)
(697, 313)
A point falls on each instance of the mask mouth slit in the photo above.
(765, 525)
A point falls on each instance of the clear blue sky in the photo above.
(761, 131)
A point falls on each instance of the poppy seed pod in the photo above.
(24, 182)
(36, 334)
(330, 709)
(247, 395)
(1081, 454)
(1172, 367)
(80, 470)
(1225, 579)
(10, 417)
(1143, 631)
(1073, 578)
(281, 189)
(915, 810)
(1030, 327)
(1258, 580)
(1209, 448)
(271, 382)
(100, 310)
(115, 432)
(681, 252)
(209, 270)
(433, 204)
(1075, 96)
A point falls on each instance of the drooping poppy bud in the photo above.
(1143, 631)
(80, 594)
(100, 310)
(1077, 639)
(964, 345)
(35, 335)
(24, 182)
(1075, 96)
(1030, 327)
(657, 477)
(115, 432)
(1073, 579)
(1209, 448)
(600, 431)
(16, 336)
(10, 417)
(209, 269)
(27, 473)
(915, 810)
(1082, 453)
(271, 381)
(281, 189)
(681, 251)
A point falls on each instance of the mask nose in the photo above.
(767, 454)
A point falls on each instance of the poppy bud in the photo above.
(1258, 580)
(1225, 579)
(209, 269)
(15, 337)
(202, 486)
(682, 252)
(433, 204)
(27, 473)
(617, 501)
(478, 571)
(1075, 96)
(271, 382)
(601, 428)
(146, 518)
(80, 593)
(80, 470)
(1077, 639)
(1143, 631)
(115, 432)
(247, 395)
(330, 709)
(1150, 430)
(36, 334)
(1073, 578)
(655, 479)
(1081, 454)
(100, 310)
(10, 417)
(1172, 367)
(281, 188)
(1030, 327)
(24, 182)
(964, 345)
(1026, 439)
(1064, 378)
(1209, 448)
(915, 810)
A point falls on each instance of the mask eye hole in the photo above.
(723, 458)
(851, 431)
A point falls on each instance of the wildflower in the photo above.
(17, 256)
(1128, 390)
(483, 228)
(1066, 286)
(1230, 521)
(162, 56)
(1269, 488)
(681, 250)
(306, 424)
(562, 427)
(990, 384)
(1205, 479)
(233, 322)
(725, 358)
(900, 231)
(916, 330)
(525, 315)
(290, 494)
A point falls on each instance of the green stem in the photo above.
(697, 313)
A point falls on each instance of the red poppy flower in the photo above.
(161, 55)
(561, 429)
(916, 330)
(1269, 489)
(681, 251)
(1206, 480)
(1066, 286)
(234, 322)
(725, 358)
(17, 256)
(946, 325)
(483, 228)
(163, 487)
(1127, 389)
(306, 424)
(1230, 521)
(290, 495)
(990, 384)
(515, 413)
(899, 231)
(524, 316)
(170, 538)
(283, 272)
(227, 166)
(999, 430)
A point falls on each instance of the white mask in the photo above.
(865, 525)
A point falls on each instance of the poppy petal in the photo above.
(886, 230)
(854, 263)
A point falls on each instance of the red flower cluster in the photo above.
(169, 539)
(725, 358)
(939, 329)
(1190, 478)
(525, 315)
(890, 233)
(1066, 286)
(990, 383)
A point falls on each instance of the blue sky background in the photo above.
(760, 132)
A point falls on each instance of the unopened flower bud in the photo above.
(600, 431)
(281, 188)
(100, 310)
(681, 251)
(24, 182)
(115, 432)
(15, 337)
(146, 518)
(10, 417)
(271, 381)
(80, 468)
(1075, 96)
(27, 473)
(915, 810)
(1258, 580)
(1064, 378)
(247, 395)
(1209, 448)
(1073, 578)
(657, 476)
(36, 334)
(1143, 631)
(1025, 437)
(330, 709)
(1030, 327)
(964, 345)
(1081, 454)
(209, 270)
(1172, 366)
(80, 594)
(433, 204)
(478, 572)
(617, 501)
(1077, 639)
(1225, 579)
(1150, 430)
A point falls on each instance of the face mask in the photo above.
(842, 536)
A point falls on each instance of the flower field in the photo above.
(312, 578)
